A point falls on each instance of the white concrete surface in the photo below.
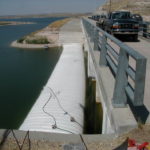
(67, 83)
(71, 32)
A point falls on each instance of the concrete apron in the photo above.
(59, 108)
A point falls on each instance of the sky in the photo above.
(21, 7)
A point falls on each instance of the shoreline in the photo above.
(50, 33)
(13, 23)
(34, 46)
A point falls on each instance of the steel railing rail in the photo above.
(119, 63)
(144, 30)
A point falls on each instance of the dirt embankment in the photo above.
(44, 38)
(141, 7)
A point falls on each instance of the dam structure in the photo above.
(119, 82)
(118, 73)
(59, 107)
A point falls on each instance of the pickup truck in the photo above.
(121, 23)
(100, 21)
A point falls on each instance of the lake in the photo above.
(23, 72)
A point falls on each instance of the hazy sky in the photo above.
(16, 7)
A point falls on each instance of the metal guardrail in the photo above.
(120, 65)
(145, 30)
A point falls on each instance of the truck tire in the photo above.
(135, 37)
(103, 28)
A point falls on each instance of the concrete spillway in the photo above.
(59, 108)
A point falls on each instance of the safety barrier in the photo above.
(127, 65)
(145, 30)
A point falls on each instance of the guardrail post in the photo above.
(103, 52)
(88, 29)
(91, 34)
(139, 82)
(145, 26)
(96, 39)
(119, 95)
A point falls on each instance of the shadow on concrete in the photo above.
(140, 112)
(123, 146)
(93, 112)
(124, 38)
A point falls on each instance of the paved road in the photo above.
(71, 32)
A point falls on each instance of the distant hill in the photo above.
(135, 6)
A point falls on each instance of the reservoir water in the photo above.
(23, 73)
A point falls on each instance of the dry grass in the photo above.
(58, 24)
(37, 40)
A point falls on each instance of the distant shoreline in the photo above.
(45, 15)
(6, 23)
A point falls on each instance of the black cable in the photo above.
(72, 119)
(65, 130)
(7, 132)
(25, 139)
(43, 108)
(4, 138)
(83, 142)
(29, 141)
(21, 146)
(57, 100)
(54, 126)
(16, 139)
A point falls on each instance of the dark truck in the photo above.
(100, 21)
(121, 23)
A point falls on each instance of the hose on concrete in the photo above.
(54, 126)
